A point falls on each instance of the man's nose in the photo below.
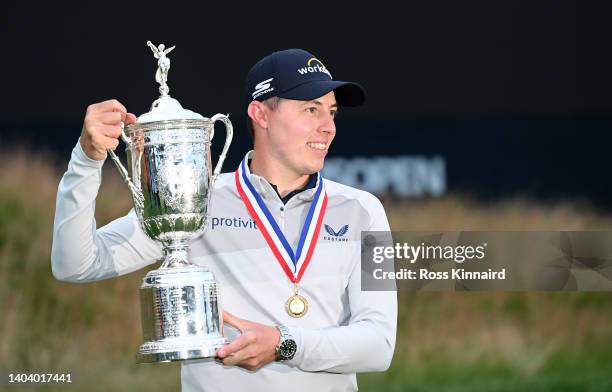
(328, 124)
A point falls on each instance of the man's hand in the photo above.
(254, 348)
(102, 127)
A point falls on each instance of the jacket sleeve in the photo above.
(367, 343)
(82, 253)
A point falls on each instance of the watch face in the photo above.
(287, 349)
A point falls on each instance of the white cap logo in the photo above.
(262, 88)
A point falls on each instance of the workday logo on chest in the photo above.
(337, 236)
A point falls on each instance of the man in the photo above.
(301, 321)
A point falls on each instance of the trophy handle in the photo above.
(229, 133)
(137, 195)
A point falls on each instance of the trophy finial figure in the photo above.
(163, 66)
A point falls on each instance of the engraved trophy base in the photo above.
(179, 350)
(181, 316)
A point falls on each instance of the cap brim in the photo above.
(347, 93)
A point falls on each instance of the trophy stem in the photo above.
(175, 255)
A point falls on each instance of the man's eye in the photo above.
(333, 113)
(312, 109)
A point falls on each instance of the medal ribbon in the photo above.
(294, 264)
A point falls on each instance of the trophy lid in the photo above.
(165, 107)
(168, 108)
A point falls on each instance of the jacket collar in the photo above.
(265, 189)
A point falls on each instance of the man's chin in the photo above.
(311, 170)
(316, 167)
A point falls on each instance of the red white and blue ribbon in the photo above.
(293, 263)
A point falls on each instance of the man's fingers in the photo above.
(112, 105)
(244, 357)
(102, 142)
(233, 359)
(113, 144)
(110, 118)
(103, 130)
(234, 321)
(130, 118)
(98, 146)
(231, 349)
(112, 131)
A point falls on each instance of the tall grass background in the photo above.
(451, 341)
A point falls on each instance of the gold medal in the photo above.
(296, 306)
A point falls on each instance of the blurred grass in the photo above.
(456, 341)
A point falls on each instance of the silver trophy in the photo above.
(171, 180)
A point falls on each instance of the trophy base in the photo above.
(168, 351)
(181, 317)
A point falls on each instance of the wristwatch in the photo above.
(286, 348)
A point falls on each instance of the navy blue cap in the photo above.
(297, 74)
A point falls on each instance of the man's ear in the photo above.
(258, 113)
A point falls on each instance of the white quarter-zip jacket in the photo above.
(345, 331)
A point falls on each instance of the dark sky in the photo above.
(421, 58)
